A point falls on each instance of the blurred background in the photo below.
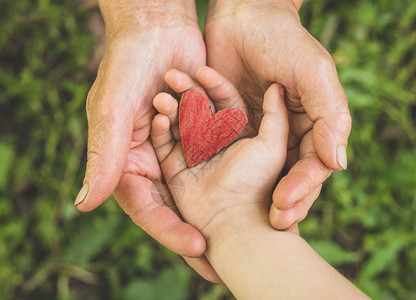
(364, 222)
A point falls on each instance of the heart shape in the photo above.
(203, 134)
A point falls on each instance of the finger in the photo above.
(139, 198)
(223, 94)
(204, 268)
(302, 182)
(181, 82)
(299, 125)
(326, 104)
(303, 178)
(169, 152)
(161, 136)
(288, 218)
(164, 192)
(298, 183)
(168, 105)
(274, 125)
(110, 127)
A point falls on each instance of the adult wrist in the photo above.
(140, 14)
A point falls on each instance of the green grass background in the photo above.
(364, 222)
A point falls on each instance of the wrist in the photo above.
(236, 223)
(231, 5)
(138, 15)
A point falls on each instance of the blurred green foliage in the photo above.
(364, 223)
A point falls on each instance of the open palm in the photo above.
(243, 173)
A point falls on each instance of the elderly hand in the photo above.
(255, 43)
(143, 41)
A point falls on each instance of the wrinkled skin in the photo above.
(255, 43)
(252, 45)
(121, 158)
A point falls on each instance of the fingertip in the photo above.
(170, 74)
(160, 125)
(157, 100)
(99, 183)
(195, 243)
(274, 104)
(210, 80)
(274, 126)
(82, 194)
(275, 91)
(330, 138)
(174, 78)
(282, 219)
(202, 266)
(204, 72)
(342, 156)
(165, 103)
(181, 82)
(197, 246)
(201, 69)
(94, 194)
(184, 240)
(291, 188)
(86, 206)
(285, 219)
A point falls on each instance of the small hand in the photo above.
(246, 170)
(254, 43)
(121, 158)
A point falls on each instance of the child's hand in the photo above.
(241, 176)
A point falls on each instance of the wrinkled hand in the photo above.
(255, 43)
(142, 43)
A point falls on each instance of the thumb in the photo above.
(326, 105)
(110, 128)
(274, 126)
(330, 138)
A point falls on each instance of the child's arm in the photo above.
(257, 262)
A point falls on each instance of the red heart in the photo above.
(203, 134)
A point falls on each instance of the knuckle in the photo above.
(346, 120)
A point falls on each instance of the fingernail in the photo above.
(82, 194)
(342, 156)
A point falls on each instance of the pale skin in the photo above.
(227, 199)
(143, 41)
